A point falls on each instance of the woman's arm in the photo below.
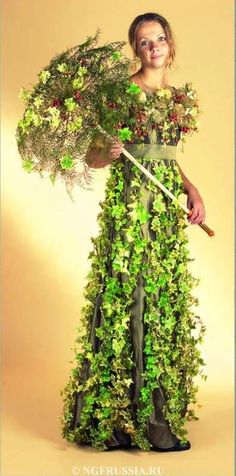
(187, 185)
(97, 154)
(194, 201)
(101, 153)
(96, 159)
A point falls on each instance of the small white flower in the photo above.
(143, 96)
(157, 116)
(190, 94)
(164, 92)
(194, 111)
(35, 159)
(168, 93)
(160, 92)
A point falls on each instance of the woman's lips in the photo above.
(156, 56)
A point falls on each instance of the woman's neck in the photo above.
(152, 79)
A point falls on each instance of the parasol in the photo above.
(85, 92)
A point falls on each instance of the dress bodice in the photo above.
(151, 146)
(153, 135)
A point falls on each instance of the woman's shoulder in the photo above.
(134, 78)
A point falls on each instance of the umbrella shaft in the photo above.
(154, 179)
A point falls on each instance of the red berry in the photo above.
(63, 116)
(56, 103)
(77, 96)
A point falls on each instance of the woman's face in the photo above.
(152, 47)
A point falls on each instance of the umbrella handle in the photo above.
(204, 227)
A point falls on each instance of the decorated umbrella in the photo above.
(83, 97)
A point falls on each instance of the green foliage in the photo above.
(173, 330)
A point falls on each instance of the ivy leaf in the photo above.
(67, 162)
(125, 134)
(145, 394)
(28, 165)
(181, 268)
(118, 210)
(52, 178)
(120, 185)
(133, 88)
(164, 298)
(135, 183)
(158, 204)
(128, 235)
(117, 346)
(162, 280)
(151, 288)
(139, 213)
(140, 245)
(116, 55)
(184, 287)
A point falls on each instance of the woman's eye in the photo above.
(145, 41)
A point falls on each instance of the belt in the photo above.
(152, 151)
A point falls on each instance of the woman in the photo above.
(133, 380)
(151, 46)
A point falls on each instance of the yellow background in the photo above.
(46, 237)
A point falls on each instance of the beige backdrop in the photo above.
(46, 239)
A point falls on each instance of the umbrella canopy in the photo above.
(66, 104)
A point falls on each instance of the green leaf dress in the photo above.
(136, 353)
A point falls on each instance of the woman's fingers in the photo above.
(197, 216)
(116, 149)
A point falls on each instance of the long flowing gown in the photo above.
(136, 352)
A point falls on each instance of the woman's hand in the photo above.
(115, 150)
(195, 203)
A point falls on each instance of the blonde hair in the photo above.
(166, 27)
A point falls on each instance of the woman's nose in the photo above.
(155, 46)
